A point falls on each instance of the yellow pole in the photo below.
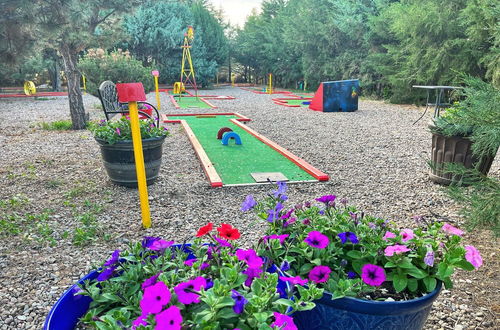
(157, 93)
(84, 85)
(270, 84)
(139, 164)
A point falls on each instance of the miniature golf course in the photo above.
(187, 102)
(233, 164)
(293, 102)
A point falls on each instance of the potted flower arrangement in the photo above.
(115, 139)
(375, 276)
(467, 133)
(156, 284)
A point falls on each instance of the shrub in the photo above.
(118, 66)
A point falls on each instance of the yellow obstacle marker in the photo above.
(269, 89)
(131, 93)
(84, 84)
(155, 73)
(29, 88)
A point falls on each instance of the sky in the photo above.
(236, 11)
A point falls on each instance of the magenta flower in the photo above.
(118, 131)
(294, 280)
(287, 214)
(250, 257)
(113, 260)
(280, 237)
(239, 301)
(251, 273)
(429, 258)
(150, 281)
(106, 274)
(204, 265)
(326, 199)
(472, 255)
(317, 239)
(155, 297)
(452, 230)
(148, 241)
(289, 222)
(372, 275)
(160, 245)
(388, 235)
(306, 222)
(169, 319)
(190, 262)
(223, 242)
(248, 204)
(348, 235)
(141, 320)
(407, 234)
(283, 322)
(320, 274)
(187, 291)
(395, 249)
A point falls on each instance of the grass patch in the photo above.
(58, 125)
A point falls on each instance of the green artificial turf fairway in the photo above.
(234, 163)
(191, 102)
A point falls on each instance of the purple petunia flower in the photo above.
(106, 274)
(317, 239)
(155, 297)
(150, 281)
(204, 265)
(343, 201)
(148, 241)
(306, 222)
(250, 257)
(326, 199)
(251, 273)
(239, 301)
(160, 245)
(141, 320)
(372, 225)
(320, 274)
(372, 274)
(351, 275)
(348, 236)
(281, 189)
(473, 256)
(285, 265)
(170, 318)
(429, 258)
(294, 280)
(287, 214)
(248, 204)
(113, 260)
(283, 322)
(190, 262)
(187, 291)
(223, 242)
(280, 237)
(273, 214)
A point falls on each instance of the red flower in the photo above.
(204, 230)
(228, 232)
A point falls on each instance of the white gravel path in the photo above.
(375, 157)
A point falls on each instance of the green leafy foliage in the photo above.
(118, 66)
(58, 125)
(119, 130)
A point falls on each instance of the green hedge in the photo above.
(118, 66)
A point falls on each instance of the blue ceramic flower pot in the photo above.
(66, 312)
(357, 314)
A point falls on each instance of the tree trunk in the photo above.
(229, 75)
(73, 76)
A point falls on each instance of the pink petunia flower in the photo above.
(294, 280)
(452, 230)
(407, 234)
(283, 322)
(280, 237)
(141, 320)
(160, 244)
(169, 319)
(472, 255)
(395, 249)
(317, 239)
(155, 297)
(187, 291)
(388, 235)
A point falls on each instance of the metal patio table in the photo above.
(440, 97)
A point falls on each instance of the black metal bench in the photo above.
(110, 105)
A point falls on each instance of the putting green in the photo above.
(234, 163)
(186, 102)
(297, 102)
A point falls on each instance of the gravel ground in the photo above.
(375, 157)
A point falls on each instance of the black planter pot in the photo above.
(454, 149)
(119, 160)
